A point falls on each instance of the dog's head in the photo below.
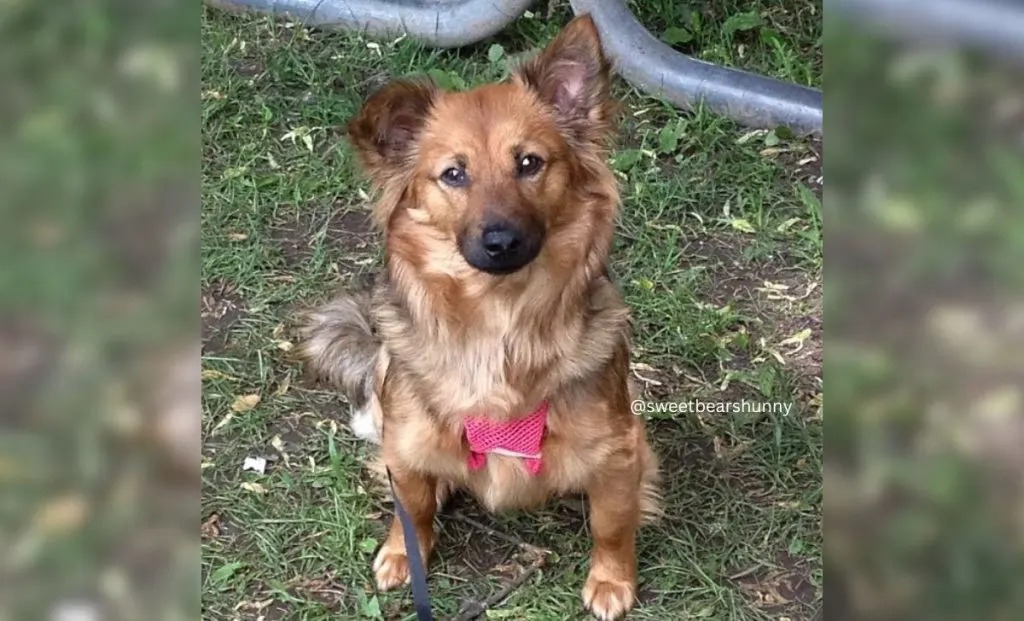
(497, 171)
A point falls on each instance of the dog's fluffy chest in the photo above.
(497, 370)
(474, 377)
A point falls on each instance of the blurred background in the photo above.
(99, 337)
(924, 310)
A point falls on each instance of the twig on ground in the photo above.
(475, 610)
(458, 515)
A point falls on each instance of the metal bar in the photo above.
(656, 68)
(994, 26)
(640, 58)
(437, 23)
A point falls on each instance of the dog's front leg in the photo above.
(417, 492)
(614, 519)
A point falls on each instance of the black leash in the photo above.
(417, 567)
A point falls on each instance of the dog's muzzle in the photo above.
(501, 247)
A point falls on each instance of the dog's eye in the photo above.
(454, 177)
(528, 165)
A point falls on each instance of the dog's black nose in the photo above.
(501, 240)
(501, 246)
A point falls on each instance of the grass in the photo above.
(718, 254)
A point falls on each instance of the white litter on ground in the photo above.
(256, 464)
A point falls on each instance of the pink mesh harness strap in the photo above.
(514, 438)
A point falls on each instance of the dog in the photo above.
(493, 355)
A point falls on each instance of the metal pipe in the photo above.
(439, 23)
(994, 26)
(649, 64)
(640, 58)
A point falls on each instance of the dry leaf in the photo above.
(213, 374)
(210, 529)
(254, 606)
(743, 225)
(278, 445)
(255, 488)
(775, 354)
(797, 339)
(282, 388)
(245, 403)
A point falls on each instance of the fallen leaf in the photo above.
(507, 569)
(278, 445)
(282, 388)
(254, 606)
(210, 529)
(255, 488)
(245, 403)
(782, 228)
(748, 136)
(645, 284)
(742, 225)
(797, 339)
(213, 374)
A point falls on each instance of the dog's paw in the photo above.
(391, 568)
(608, 600)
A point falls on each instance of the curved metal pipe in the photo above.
(438, 23)
(656, 68)
(640, 58)
(995, 26)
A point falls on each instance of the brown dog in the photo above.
(498, 211)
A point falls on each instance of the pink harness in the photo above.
(520, 437)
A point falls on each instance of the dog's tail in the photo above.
(339, 348)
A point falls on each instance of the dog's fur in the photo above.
(438, 339)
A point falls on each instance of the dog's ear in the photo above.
(572, 74)
(385, 130)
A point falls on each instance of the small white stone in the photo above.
(256, 464)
